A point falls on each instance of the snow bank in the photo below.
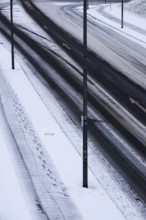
(137, 7)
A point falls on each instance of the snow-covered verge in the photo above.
(137, 7)
(50, 189)
(9, 181)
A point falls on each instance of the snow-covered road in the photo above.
(42, 142)
(111, 45)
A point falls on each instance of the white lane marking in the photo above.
(133, 101)
(65, 45)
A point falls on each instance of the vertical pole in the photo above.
(12, 34)
(85, 144)
(122, 12)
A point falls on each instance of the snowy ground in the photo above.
(65, 158)
(12, 200)
(46, 144)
